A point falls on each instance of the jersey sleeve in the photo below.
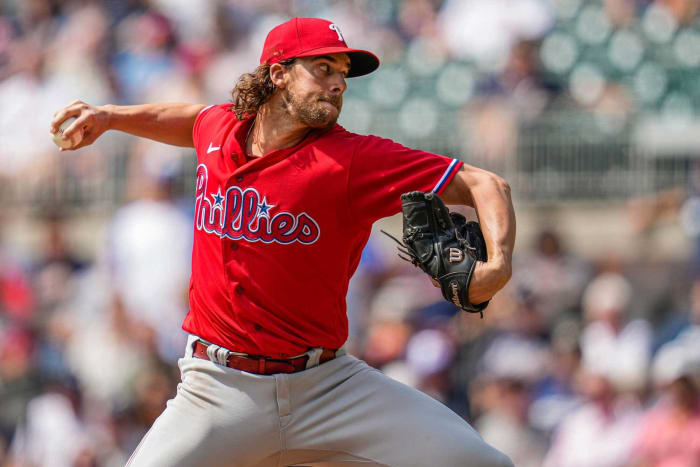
(382, 170)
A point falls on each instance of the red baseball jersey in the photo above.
(277, 238)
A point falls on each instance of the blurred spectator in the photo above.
(373, 270)
(19, 381)
(505, 425)
(54, 433)
(600, 432)
(386, 341)
(685, 204)
(74, 60)
(519, 350)
(511, 363)
(522, 81)
(677, 324)
(555, 277)
(608, 332)
(678, 357)
(27, 96)
(429, 355)
(56, 268)
(152, 280)
(670, 430)
(57, 271)
(682, 10)
(192, 21)
(388, 327)
(151, 391)
(486, 31)
(16, 294)
(554, 396)
(108, 354)
(491, 127)
(144, 62)
(609, 418)
(621, 12)
(416, 17)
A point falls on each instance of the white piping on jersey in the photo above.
(205, 109)
(446, 175)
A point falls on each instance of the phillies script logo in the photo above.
(241, 214)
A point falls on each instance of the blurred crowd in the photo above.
(570, 365)
(578, 362)
(486, 71)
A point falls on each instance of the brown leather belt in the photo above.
(263, 365)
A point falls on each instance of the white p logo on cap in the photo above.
(337, 30)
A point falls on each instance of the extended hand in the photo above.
(90, 123)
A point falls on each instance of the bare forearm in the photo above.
(490, 196)
(169, 123)
(494, 208)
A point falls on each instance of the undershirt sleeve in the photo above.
(382, 170)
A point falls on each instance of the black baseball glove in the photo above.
(443, 244)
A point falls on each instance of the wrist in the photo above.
(500, 267)
(105, 113)
(487, 279)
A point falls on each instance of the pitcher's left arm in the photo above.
(490, 196)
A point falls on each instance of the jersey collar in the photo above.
(272, 157)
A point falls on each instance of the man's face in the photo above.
(314, 89)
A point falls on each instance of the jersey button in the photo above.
(239, 178)
(234, 246)
(239, 289)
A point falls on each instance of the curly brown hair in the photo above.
(253, 89)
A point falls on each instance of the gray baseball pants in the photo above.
(340, 413)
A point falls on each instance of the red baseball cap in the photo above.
(307, 37)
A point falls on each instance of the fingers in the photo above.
(85, 141)
(61, 115)
(75, 127)
(73, 109)
(89, 124)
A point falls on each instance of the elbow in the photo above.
(506, 273)
(506, 188)
(489, 181)
(503, 269)
(502, 275)
(503, 186)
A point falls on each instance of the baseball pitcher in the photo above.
(285, 200)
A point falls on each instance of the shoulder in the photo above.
(359, 144)
(213, 117)
(337, 142)
(213, 122)
(339, 133)
(222, 111)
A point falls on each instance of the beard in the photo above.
(313, 112)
